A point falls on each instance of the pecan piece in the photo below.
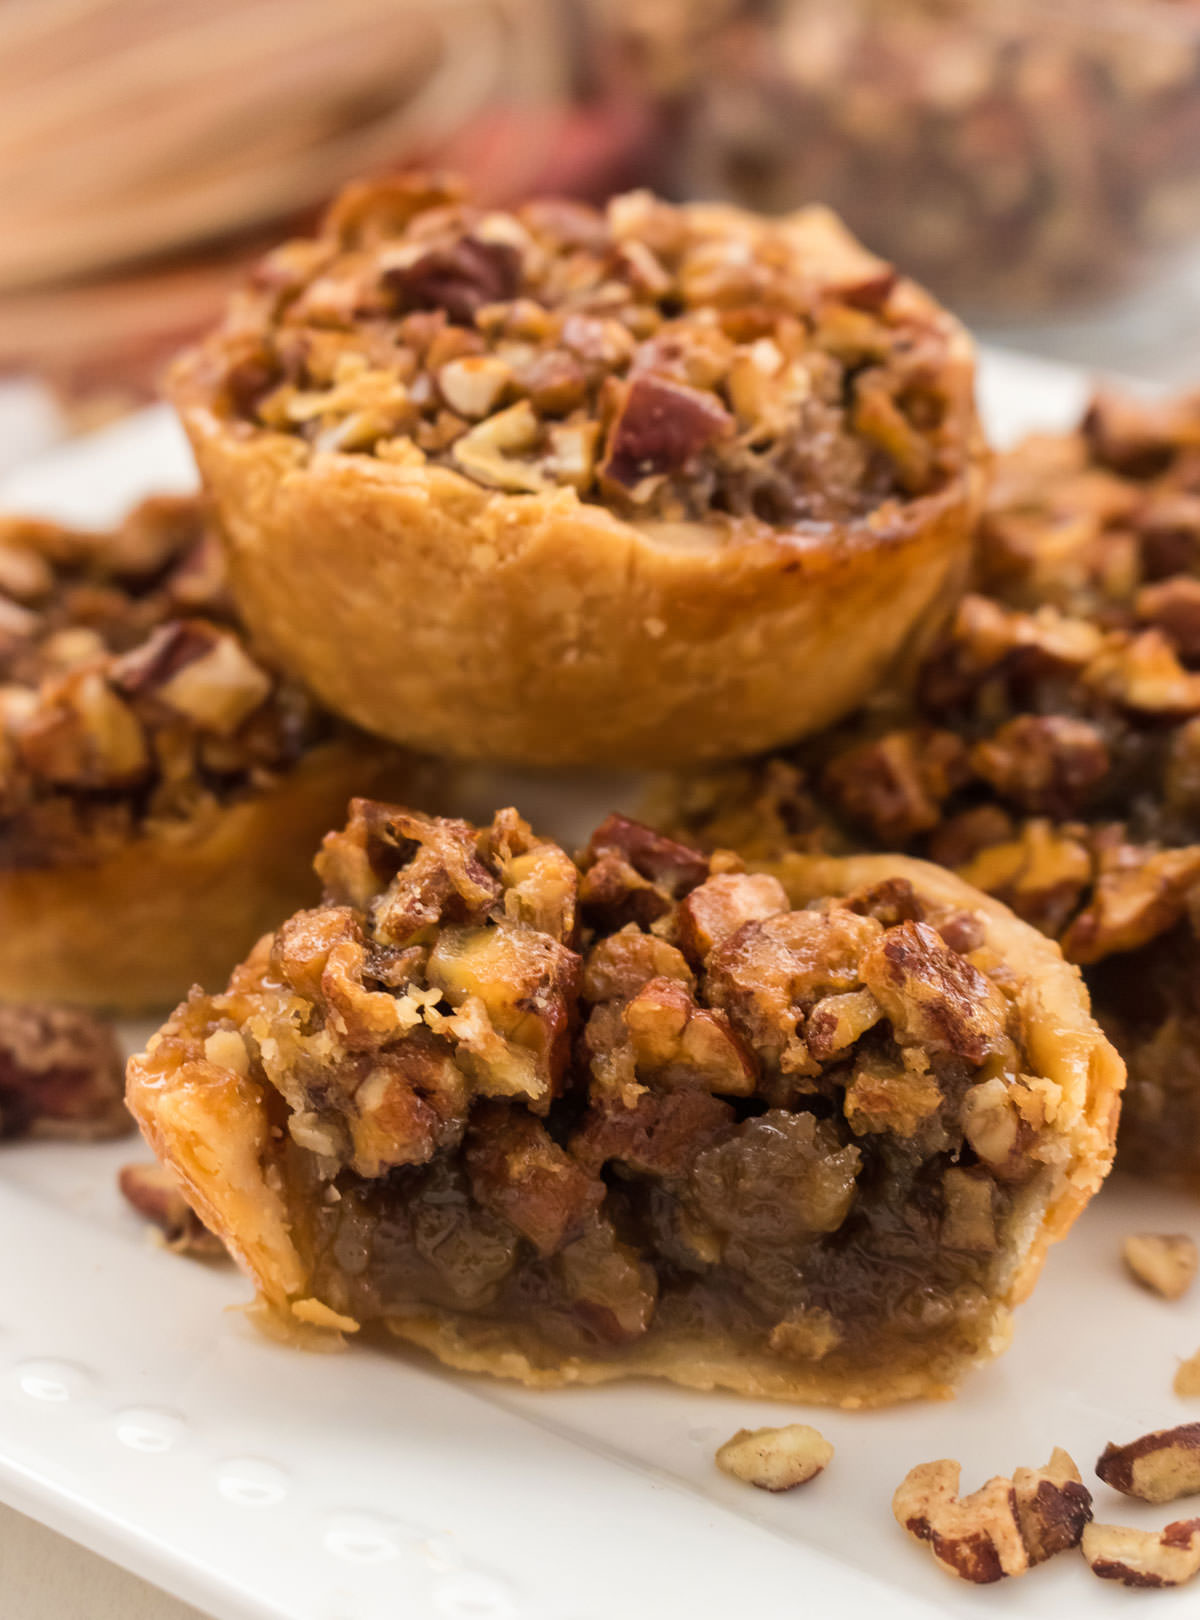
(897, 785)
(660, 428)
(661, 1133)
(458, 277)
(618, 965)
(677, 1042)
(154, 1193)
(719, 906)
(1158, 1467)
(1138, 895)
(1173, 605)
(515, 992)
(198, 671)
(934, 997)
(61, 1075)
(775, 1459)
(443, 880)
(1047, 764)
(1005, 1527)
(633, 874)
(1144, 1558)
(1164, 1263)
(520, 1174)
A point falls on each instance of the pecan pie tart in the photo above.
(161, 789)
(802, 1132)
(1052, 757)
(649, 485)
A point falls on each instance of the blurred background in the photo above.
(1037, 162)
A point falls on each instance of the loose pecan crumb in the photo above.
(154, 1193)
(1158, 1467)
(1187, 1376)
(775, 1459)
(1143, 1558)
(1165, 1264)
(1005, 1527)
(61, 1075)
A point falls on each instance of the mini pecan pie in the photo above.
(559, 486)
(160, 788)
(1052, 757)
(803, 1133)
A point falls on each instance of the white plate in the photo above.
(141, 1415)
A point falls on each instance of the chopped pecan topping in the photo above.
(460, 276)
(775, 1459)
(891, 1093)
(767, 973)
(61, 1075)
(1138, 895)
(1163, 1263)
(619, 965)
(1005, 1527)
(702, 365)
(1158, 1467)
(1144, 1558)
(127, 694)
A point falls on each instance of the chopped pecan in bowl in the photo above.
(160, 785)
(570, 486)
(802, 1132)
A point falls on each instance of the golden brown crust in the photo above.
(180, 903)
(545, 628)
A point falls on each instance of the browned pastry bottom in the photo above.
(805, 1132)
